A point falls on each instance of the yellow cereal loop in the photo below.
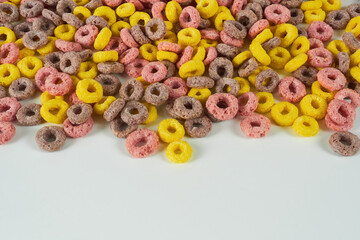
(179, 152)
(107, 13)
(300, 45)
(306, 126)
(82, 13)
(201, 94)
(199, 53)
(54, 111)
(287, 34)
(102, 39)
(125, 10)
(208, 43)
(313, 106)
(65, 32)
(311, 5)
(29, 66)
(116, 27)
(355, 73)
(89, 91)
(170, 130)
(284, 113)
(314, 15)
(330, 5)
(148, 52)
(189, 37)
(152, 113)
(252, 77)
(355, 58)
(279, 57)
(220, 19)
(75, 81)
(173, 11)
(81, 2)
(192, 68)
(296, 62)
(140, 18)
(244, 85)
(337, 46)
(46, 96)
(101, 106)
(319, 90)
(7, 35)
(207, 8)
(24, 52)
(259, 53)
(8, 74)
(165, 55)
(105, 56)
(169, 37)
(169, 25)
(14, 2)
(265, 102)
(354, 26)
(87, 70)
(241, 58)
(49, 47)
(262, 37)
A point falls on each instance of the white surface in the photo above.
(282, 187)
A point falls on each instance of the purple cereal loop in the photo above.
(235, 29)
(272, 83)
(296, 16)
(70, 63)
(342, 61)
(246, 17)
(353, 10)
(198, 127)
(200, 82)
(134, 113)
(50, 138)
(53, 60)
(337, 19)
(45, 25)
(65, 6)
(110, 67)
(114, 109)
(29, 115)
(31, 8)
(35, 39)
(344, 143)
(131, 89)
(120, 128)
(48, 14)
(351, 41)
(224, 83)
(79, 113)
(187, 107)
(220, 68)
(8, 13)
(156, 94)
(110, 82)
(73, 20)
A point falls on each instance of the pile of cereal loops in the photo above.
(185, 55)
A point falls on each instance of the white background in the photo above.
(282, 187)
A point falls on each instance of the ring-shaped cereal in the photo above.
(54, 111)
(7, 132)
(337, 46)
(172, 11)
(179, 152)
(41, 76)
(284, 113)
(170, 130)
(176, 86)
(311, 5)
(105, 56)
(279, 57)
(78, 130)
(189, 37)
(241, 58)
(354, 26)
(300, 45)
(65, 32)
(87, 70)
(319, 90)
(341, 112)
(45, 96)
(192, 68)
(255, 126)
(221, 18)
(354, 58)
(248, 103)
(222, 106)
(8, 74)
(189, 17)
(244, 85)
(264, 36)
(9, 106)
(287, 33)
(82, 13)
(201, 94)
(330, 5)
(296, 62)
(320, 30)
(258, 27)
(140, 18)
(320, 57)
(28, 66)
(125, 9)
(58, 84)
(107, 13)
(265, 102)
(49, 47)
(154, 72)
(314, 15)
(291, 89)
(331, 78)
(313, 106)
(89, 91)
(306, 126)
(142, 142)
(259, 53)
(157, 11)
(86, 35)
(148, 52)
(207, 8)
(101, 106)
(277, 13)
(116, 27)
(152, 113)
(9, 53)
(102, 39)
(348, 93)
(7, 35)
(355, 73)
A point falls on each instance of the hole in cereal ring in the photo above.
(58, 81)
(141, 22)
(262, 100)
(197, 125)
(293, 14)
(155, 91)
(30, 65)
(198, 93)
(141, 142)
(222, 104)
(306, 124)
(22, 87)
(129, 90)
(4, 108)
(283, 34)
(244, 101)
(6, 73)
(3, 37)
(175, 85)
(91, 89)
(85, 33)
(35, 38)
(188, 106)
(285, 111)
(171, 129)
(338, 17)
(221, 71)
(315, 104)
(345, 140)
(54, 59)
(292, 87)
(320, 30)
(154, 70)
(77, 110)
(343, 112)
(50, 137)
(54, 111)
(67, 63)
(332, 77)
(255, 124)
(306, 73)
(298, 47)
(122, 126)
(114, 45)
(277, 11)
(134, 111)
(29, 113)
(107, 81)
(154, 28)
(178, 151)
(244, 20)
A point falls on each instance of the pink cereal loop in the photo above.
(225, 38)
(226, 3)
(149, 140)
(116, 44)
(9, 53)
(154, 72)
(189, 17)
(176, 86)
(127, 38)
(330, 124)
(255, 126)
(341, 112)
(209, 33)
(331, 79)
(41, 76)
(7, 132)
(223, 106)
(66, 46)
(320, 57)
(8, 109)
(169, 46)
(291, 89)
(73, 98)
(349, 93)
(320, 30)
(86, 35)
(248, 103)
(237, 6)
(129, 55)
(55, 88)
(77, 131)
(186, 56)
(315, 43)
(258, 27)
(112, 3)
(138, 5)
(157, 10)
(135, 68)
(211, 54)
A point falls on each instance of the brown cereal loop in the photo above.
(73, 20)
(97, 21)
(50, 138)
(31, 8)
(35, 39)
(85, 54)
(337, 19)
(70, 63)
(291, 3)
(248, 67)
(45, 25)
(247, 18)
(302, 31)
(131, 90)
(344, 143)
(53, 60)
(342, 61)
(121, 129)
(79, 113)
(256, 8)
(200, 82)
(306, 74)
(235, 29)
(8, 13)
(271, 43)
(48, 14)
(169, 107)
(171, 69)
(353, 10)
(187, 107)
(220, 68)
(223, 84)
(22, 28)
(198, 127)
(351, 41)
(93, 4)
(22, 88)
(134, 113)
(110, 83)
(110, 67)
(65, 6)
(156, 94)
(296, 16)
(160, 31)
(227, 51)
(2, 92)
(204, 23)
(137, 32)
(114, 109)
(29, 115)
(272, 82)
